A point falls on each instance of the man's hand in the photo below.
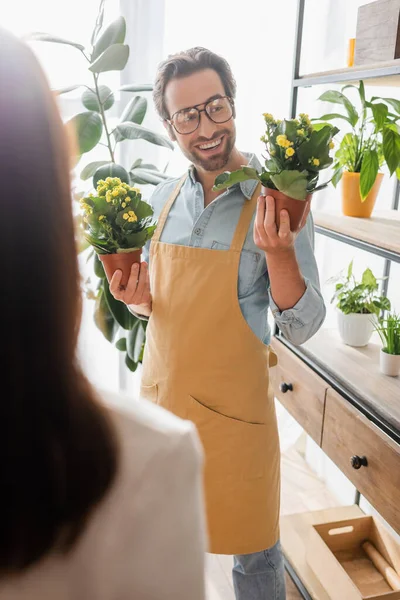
(266, 235)
(137, 293)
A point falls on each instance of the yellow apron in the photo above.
(204, 363)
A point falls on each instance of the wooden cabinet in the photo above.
(299, 390)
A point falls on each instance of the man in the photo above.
(217, 262)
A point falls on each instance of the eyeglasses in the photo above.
(187, 120)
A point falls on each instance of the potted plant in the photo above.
(117, 223)
(96, 132)
(296, 153)
(389, 331)
(373, 140)
(358, 304)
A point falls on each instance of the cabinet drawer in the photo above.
(347, 434)
(299, 390)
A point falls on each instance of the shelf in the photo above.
(354, 372)
(380, 234)
(383, 74)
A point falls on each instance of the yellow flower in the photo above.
(305, 118)
(109, 196)
(115, 193)
(135, 189)
(123, 205)
(125, 216)
(268, 118)
(282, 140)
(300, 132)
(315, 162)
(331, 145)
(131, 220)
(132, 216)
(289, 152)
(102, 217)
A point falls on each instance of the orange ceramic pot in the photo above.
(122, 261)
(295, 208)
(351, 199)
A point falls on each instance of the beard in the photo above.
(213, 163)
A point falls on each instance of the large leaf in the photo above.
(134, 112)
(369, 279)
(228, 179)
(291, 183)
(338, 98)
(316, 147)
(112, 59)
(147, 176)
(392, 102)
(337, 176)
(121, 344)
(47, 37)
(110, 170)
(331, 116)
(114, 34)
(91, 101)
(88, 127)
(91, 168)
(133, 131)
(98, 267)
(369, 171)
(104, 319)
(136, 87)
(132, 366)
(118, 309)
(135, 341)
(391, 149)
(380, 112)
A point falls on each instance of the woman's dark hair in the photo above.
(186, 63)
(58, 450)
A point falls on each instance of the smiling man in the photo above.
(216, 264)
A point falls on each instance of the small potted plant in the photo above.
(359, 305)
(389, 331)
(117, 223)
(296, 153)
(372, 141)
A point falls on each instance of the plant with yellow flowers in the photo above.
(296, 153)
(116, 219)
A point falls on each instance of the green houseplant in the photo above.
(296, 153)
(359, 304)
(388, 328)
(108, 52)
(373, 140)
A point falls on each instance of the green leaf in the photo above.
(104, 319)
(227, 179)
(121, 344)
(133, 131)
(110, 170)
(369, 171)
(380, 112)
(132, 366)
(391, 149)
(114, 34)
(91, 101)
(392, 102)
(98, 267)
(338, 98)
(369, 279)
(143, 210)
(99, 22)
(398, 172)
(134, 112)
(88, 127)
(91, 168)
(138, 87)
(147, 176)
(118, 309)
(47, 37)
(136, 338)
(112, 59)
(316, 147)
(337, 176)
(331, 116)
(291, 183)
(66, 90)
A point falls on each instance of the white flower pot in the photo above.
(356, 329)
(389, 363)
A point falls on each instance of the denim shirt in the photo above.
(190, 224)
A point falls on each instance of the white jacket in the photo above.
(146, 540)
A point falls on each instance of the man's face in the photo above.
(196, 90)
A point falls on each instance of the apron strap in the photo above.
(245, 218)
(167, 207)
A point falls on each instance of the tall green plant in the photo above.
(389, 331)
(109, 52)
(373, 139)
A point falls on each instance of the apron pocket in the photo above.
(149, 392)
(233, 448)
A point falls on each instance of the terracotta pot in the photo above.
(351, 199)
(122, 261)
(295, 208)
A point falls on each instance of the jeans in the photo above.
(260, 576)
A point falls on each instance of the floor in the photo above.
(301, 491)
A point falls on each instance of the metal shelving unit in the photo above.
(387, 74)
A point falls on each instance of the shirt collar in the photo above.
(247, 187)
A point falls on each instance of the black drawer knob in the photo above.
(359, 461)
(286, 387)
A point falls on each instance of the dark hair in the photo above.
(186, 63)
(58, 450)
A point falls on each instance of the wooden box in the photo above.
(378, 32)
(336, 556)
